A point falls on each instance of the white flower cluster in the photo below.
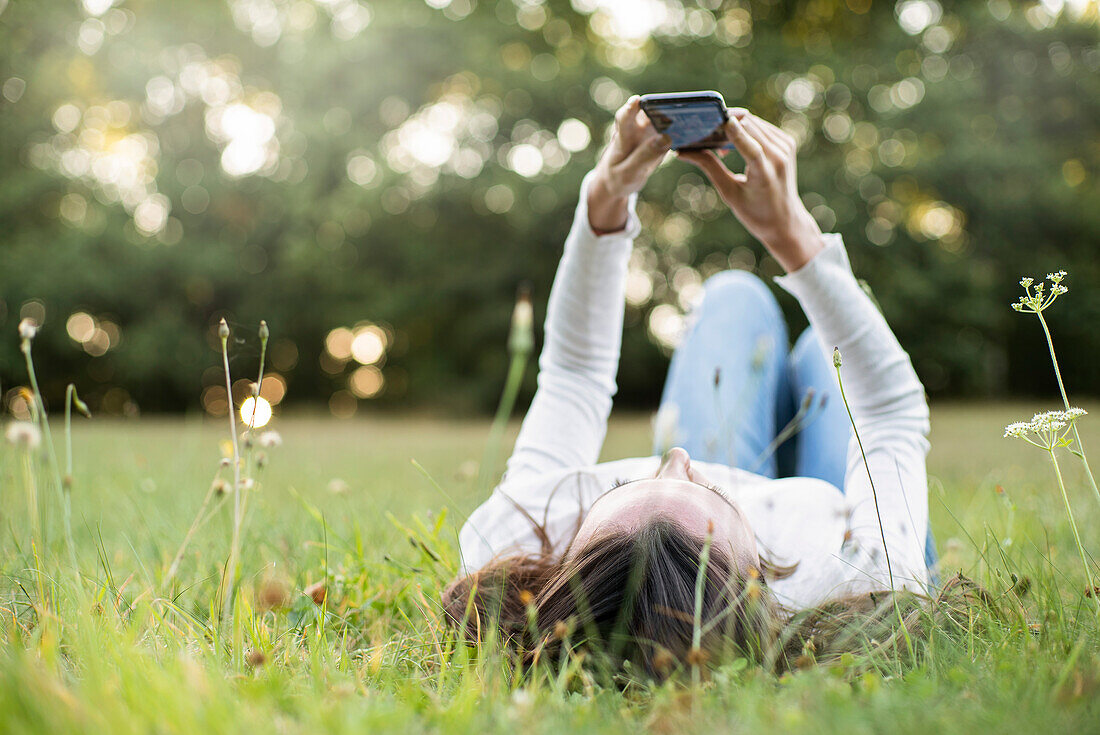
(1037, 299)
(1049, 428)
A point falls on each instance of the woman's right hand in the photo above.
(765, 196)
(635, 150)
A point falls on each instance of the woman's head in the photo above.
(679, 494)
(656, 564)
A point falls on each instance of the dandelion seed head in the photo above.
(28, 328)
(270, 439)
(23, 434)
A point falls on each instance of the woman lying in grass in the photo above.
(719, 546)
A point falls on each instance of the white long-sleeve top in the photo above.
(553, 478)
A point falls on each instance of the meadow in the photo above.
(348, 542)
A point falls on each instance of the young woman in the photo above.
(715, 544)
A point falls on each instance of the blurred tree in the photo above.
(375, 178)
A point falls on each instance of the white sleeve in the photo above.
(891, 414)
(565, 426)
(567, 421)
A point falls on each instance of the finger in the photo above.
(776, 151)
(651, 149)
(775, 135)
(749, 148)
(724, 180)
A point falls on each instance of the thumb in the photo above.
(721, 177)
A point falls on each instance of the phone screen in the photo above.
(689, 123)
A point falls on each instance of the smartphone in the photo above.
(693, 120)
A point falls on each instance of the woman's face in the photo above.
(676, 493)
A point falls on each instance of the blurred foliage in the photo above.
(330, 163)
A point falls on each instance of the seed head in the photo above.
(27, 329)
(316, 592)
(221, 487)
(521, 336)
(836, 357)
(270, 439)
(23, 434)
(223, 329)
(246, 483)
(697, 657)
(255, 658)
(264, 331)
(254, 390)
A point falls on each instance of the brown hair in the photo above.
(636, 597)
(642, 596)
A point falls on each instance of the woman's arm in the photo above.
(886, 398)
(566, 423)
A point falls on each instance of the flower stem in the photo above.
(1073, 525)
(230, 579)
(51, 453)
(1065, 401)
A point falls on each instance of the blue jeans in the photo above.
(732, 387)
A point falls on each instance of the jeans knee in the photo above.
(739, 289)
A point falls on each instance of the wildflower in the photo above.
(27, 329)
(264, 331)
(255, 658)
(270, 439)
(223, 329)
(1046, 430)
(220, 486)
(1035, 300)
(225, 461)
(836, 357)
(526, 597)
(261, 459)
(246, 483)
(23, 433)
(254, 390)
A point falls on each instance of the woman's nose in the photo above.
(676, 465)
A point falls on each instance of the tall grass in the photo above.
(335, 624)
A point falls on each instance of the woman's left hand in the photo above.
(765, 196)
(633, 154)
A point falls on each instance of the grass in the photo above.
(342, 504)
